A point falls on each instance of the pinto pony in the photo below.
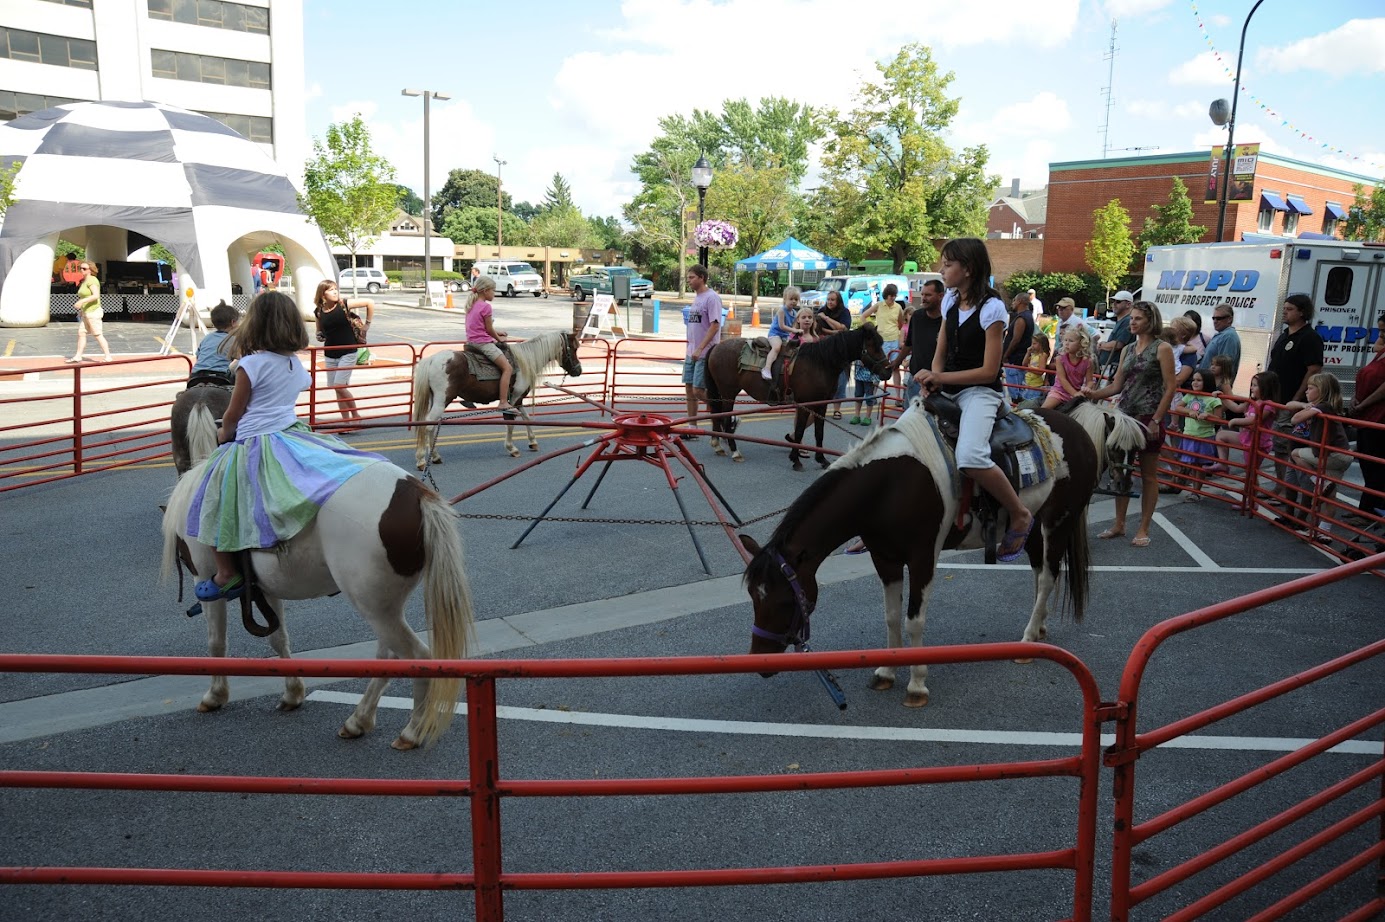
(378, 537)
(898, 490)
(443, 377)
(813, 378)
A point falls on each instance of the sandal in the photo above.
(1142, 541)
(209, 591)
(1012, 546)
(1110, 533)
(836, 414)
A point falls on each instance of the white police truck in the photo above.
(1344, 278)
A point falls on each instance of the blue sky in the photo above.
(578, 88)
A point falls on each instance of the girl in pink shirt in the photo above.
(1073, 369)
(481, 332)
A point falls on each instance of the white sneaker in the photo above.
(764, 373)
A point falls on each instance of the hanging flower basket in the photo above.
(716, 235)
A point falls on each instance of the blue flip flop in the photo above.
(209, 591)
(1012, 536)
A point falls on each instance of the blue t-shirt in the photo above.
(210, 354)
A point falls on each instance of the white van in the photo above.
(512, 277)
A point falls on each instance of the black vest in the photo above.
(966, 346)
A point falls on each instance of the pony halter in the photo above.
(798, 631)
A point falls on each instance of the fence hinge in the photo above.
(1108, 711)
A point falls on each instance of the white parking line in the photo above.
(1184, 542)
(888, 734)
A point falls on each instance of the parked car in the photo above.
(858, 291)
(362, 279)
(597, 280)
(511, 276)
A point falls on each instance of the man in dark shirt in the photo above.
(1018, 336)
(1296, 356)
(923, 334)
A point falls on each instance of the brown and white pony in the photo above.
(380, 535)
(897, 490)
(443, 377)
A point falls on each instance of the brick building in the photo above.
(1289, 197)
(1021, 214)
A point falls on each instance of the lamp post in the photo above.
(1220, 116)
(702, 178)
(428, 96)
(499, 211)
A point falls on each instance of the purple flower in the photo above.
(718, 235)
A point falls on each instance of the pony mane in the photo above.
(762, 566)
(839, 348)
(534, 355)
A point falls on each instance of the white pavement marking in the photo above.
(889, 734)
(1184, 542)
(1141, 568)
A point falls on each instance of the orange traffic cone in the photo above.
(449, 299)
(755, 316)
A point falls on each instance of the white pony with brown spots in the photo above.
(380, 535)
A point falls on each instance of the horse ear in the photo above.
(749, 544)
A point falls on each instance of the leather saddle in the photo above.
(482, 368)
(753, 354)
(1012, 439)
(211, 379)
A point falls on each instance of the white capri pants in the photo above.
(980, 405)
(340, 368)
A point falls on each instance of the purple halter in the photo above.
(797, 634)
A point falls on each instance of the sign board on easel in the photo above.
(187, 305)
(602, 318)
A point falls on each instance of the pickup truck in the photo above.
(597, 280)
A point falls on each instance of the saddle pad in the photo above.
(482, 368)
(1037, 461)
(753, 352)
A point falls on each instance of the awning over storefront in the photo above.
(1269, 201)
(1335, 211)
(1297, 204)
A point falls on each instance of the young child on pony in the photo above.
(966, 367)
(1074, 368)
(481, 333)
(212, 361)
(270, 473)
(804, 328)
(781, 328)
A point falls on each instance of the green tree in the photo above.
(467, 189)
(667, 192)
(476, 224)
(609, 231)
(777, 133)
(348, 190)
(1366, 216)
(1172, 222)
(891, 181)
(562, 227)
(1110, 249)
(7, 179)
(558, 196)
(525, 211)
(409, 200)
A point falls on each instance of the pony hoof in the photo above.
(286, 704)
(798, 465)
(719, 451)
(514, 452)
(823, 463)
(403, 745)
(420, 465)
(880, 683)
(533, 446)
(437, 459)
(206, 707)
(916, 699)
(348, 732)
(738, 458)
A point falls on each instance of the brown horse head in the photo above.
(783, 597)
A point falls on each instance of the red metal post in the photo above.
(485, 797)
(77, 418)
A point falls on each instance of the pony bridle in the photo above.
(879, 369)
(797, 634)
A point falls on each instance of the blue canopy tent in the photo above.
(791, 255)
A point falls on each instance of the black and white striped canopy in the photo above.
(165, 173)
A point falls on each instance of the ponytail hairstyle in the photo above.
(480, 284)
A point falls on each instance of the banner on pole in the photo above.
(1243, 162)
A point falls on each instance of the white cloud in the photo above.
(346, 111)
(1124, 8)
(1370, 162)
(1355, 47)
(1043, 115)
(1246, 133)
(1203, 70)
(1163, 110)
(1220, 20)
(312, 91)
(1027, 162)
(762, 48)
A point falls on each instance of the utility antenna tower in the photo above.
(1106, 91)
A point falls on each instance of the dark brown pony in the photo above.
(814, 378)
(897, 489)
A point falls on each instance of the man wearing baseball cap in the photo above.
(1109, 351)
(1067, 317)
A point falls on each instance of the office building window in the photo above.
(84, 4)
(42, 48)
(14, 104)
(1266, 222)
(1290, 223)
(257, 128)
(202, 68)
(216, 14)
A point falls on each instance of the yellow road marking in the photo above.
(9, 349)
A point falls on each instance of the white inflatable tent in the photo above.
(93, 171)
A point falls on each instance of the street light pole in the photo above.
(1231, 127)
(428, 96)
(499, 211)
(702, 178)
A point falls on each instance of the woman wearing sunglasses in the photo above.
(89, 313)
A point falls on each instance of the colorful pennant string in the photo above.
(1231, 74)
